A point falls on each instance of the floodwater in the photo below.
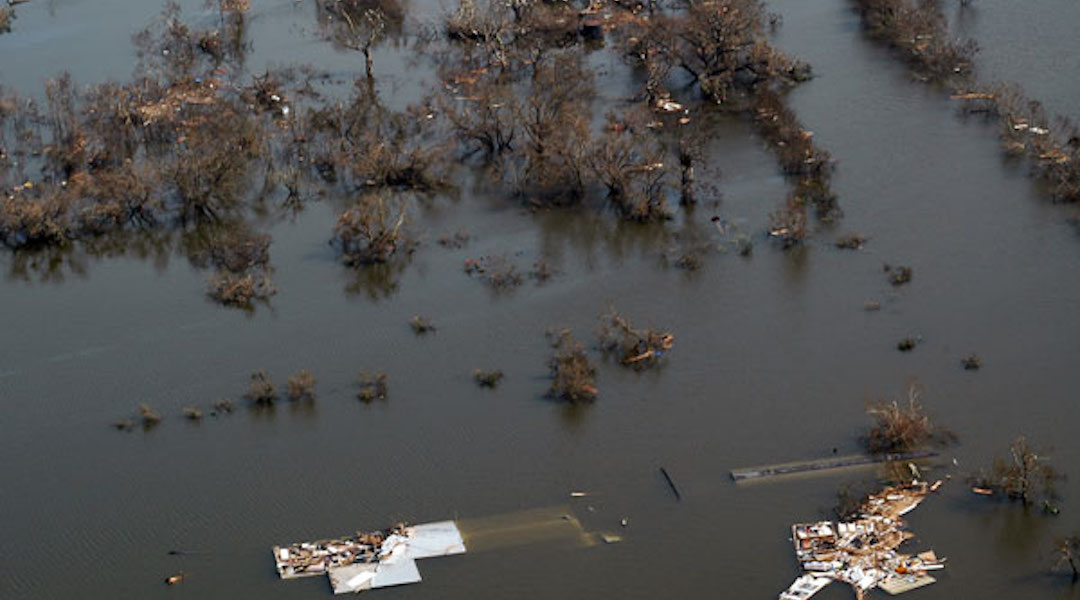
(774, 356)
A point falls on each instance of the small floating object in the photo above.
(982, 491)
(174, 579)
(578, 494)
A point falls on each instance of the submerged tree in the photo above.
(635, 348)
(1023, 475)
(572, 374)
(372, 231)
(1067, 551)
(901, 426)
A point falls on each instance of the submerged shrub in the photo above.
(261, 390)
(487, 379)
(902, 426)
(635, 348)
(373, 386)
(372, 231)
(572, 375)
(301, 386)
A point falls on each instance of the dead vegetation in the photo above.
(301, 386)
(635, 348)
(261, 389)
(918, 31)
(149, 416)
(1067, 554)
(6, 16)
(373, 386)
(1024, 475)
(457, 240)
(372, 231)
(898, 276)
(852, 241)
(488, 379)
(498, 272)
(902, 425)
(1051, 147)
(573, 377)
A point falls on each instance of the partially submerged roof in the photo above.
(370, 560)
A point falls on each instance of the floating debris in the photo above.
(370, 560)
(862, 552)
(174, 579)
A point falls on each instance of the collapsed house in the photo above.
(370, 560)
(862, 552)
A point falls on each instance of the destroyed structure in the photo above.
(370, 560)
(862, 552)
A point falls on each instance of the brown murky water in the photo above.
(774, 356)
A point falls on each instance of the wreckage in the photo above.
(378, 559)
(862, 552)
(370, 560)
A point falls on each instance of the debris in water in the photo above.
(174, 579)
(370, 560)
(862, 552)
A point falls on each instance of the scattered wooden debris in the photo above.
(370, 560)
(862, 551)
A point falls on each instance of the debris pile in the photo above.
(369, 560)
(862, 552)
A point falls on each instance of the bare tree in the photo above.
(1023, 475)
(1067, 551)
